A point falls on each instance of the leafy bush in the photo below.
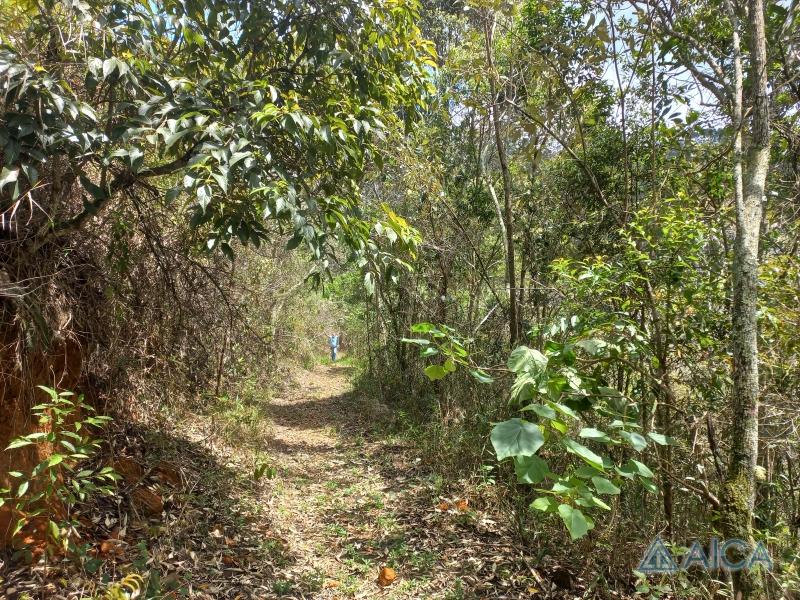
(61, 479)
(565, 394)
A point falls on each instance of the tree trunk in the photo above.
(750, 171)
(508, 215)
(665, 420)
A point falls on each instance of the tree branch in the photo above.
(120, 183)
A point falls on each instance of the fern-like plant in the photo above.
(129, 587)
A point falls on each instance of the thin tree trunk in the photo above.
(665, 420)
(794, 526)
(750, 172)
(225, 340)
(513, 317)
(523, 269)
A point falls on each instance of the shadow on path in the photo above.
(349, 503)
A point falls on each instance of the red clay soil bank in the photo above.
(21, 371)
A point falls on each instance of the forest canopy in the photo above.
(252, 113)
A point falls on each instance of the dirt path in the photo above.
(346, 504)
(338, 500)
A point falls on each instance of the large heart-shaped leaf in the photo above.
(544, 503)
(594, 434)
(481, 376)
(592, 346)
(516, 437)
(660, 438)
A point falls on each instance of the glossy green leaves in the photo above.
(259, 120)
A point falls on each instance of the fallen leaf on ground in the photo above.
(150, 502)
(386, 576)
(130, 470)
(167, 473)
(112, 547)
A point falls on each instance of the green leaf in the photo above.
(417, 341)
(638, 441)
(95, 190)
(639, 468)
(545, 504)
(50, 391)
(591, 346)
(110, 65)
(524, 387)
(583, 452)
(577, 524)
(295, 241)
(516, 437)
(18, 527)
(481, 376)
(594, 434)
(435, 372)
(369, 283)
(8, 176)
(608, 392)
(18, 443)
(660, 439)
(648, 485)
(176, 137)
(563, 409)
(546, 412)
(523, 358)
(204, 196)
(530, 469)
(604, 486)
(23, 487)
(54, 460)
(222, 180)
(54, 531)
(586, 472)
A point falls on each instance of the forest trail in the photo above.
(339, 500)
(345, 504)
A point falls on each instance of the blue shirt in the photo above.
(333, 341)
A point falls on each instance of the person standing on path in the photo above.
(333, 342)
